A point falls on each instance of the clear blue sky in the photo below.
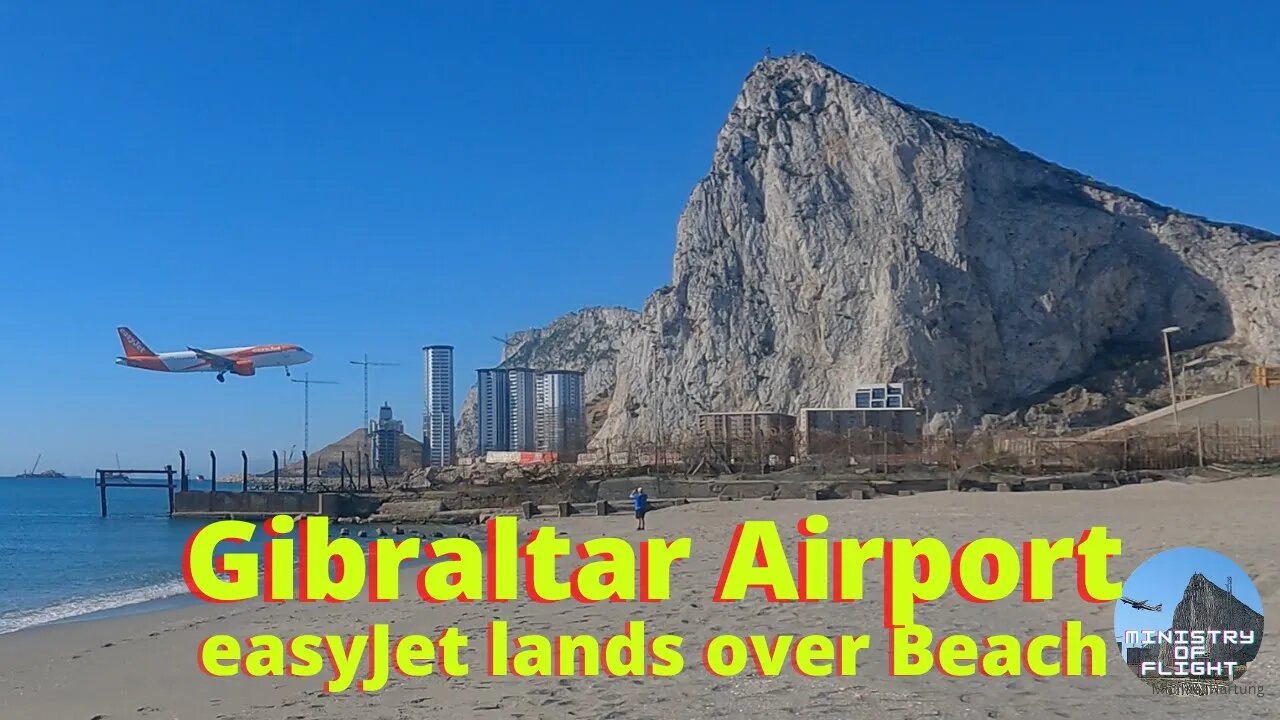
(1162, 579)
(345, 176)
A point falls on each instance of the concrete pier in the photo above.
(259, 505)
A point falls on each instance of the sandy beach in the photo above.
(145, 666)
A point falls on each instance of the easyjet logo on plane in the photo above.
(133, 346)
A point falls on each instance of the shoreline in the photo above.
(153, 654)
(182, 597)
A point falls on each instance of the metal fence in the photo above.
(1023, 450)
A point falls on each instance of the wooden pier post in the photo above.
(1199, 443)
(213, 472)
(275, 471)
(244, 472)
(306, 465)
(168, 469)
(168, 484)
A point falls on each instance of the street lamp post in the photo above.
(1168, 359)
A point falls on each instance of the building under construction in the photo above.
(749, 436)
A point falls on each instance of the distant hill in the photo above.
(353, 444)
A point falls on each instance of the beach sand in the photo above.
(145, 666)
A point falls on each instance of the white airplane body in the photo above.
(1141, 604)
(243, 361)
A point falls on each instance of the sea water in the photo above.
(60, 561)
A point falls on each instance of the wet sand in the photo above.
(145, 665)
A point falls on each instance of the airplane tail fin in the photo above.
(133, 347)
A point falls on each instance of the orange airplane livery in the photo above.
(239, 361)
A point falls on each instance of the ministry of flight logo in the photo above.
(1189, 622)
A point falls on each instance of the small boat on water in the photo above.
(46, 474)
(115, 474)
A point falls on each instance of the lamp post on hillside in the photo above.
(1168, 359)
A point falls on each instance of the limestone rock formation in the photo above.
(1205, 606)
(587, 340)
(842, 237)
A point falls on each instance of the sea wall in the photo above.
(257, 505)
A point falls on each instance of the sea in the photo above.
(62, 562)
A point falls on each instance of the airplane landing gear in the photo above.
(222, 377)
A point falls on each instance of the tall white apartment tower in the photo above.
(506, 409)
(493, 419)
(437, 409)
(561, 416)
(523, 411)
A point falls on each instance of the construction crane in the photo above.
(366, 363)
(307, 382)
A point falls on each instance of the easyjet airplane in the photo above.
(240, 361)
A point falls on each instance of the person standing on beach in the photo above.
(640, 502)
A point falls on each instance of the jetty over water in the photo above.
(241, 502)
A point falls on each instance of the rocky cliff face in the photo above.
(843, 237)
(1205, 606)
(587, 340)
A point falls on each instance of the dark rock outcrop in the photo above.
(1205, 606)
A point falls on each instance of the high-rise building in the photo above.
(437, 410)
(506, 410)
(561, 415)
(493, 415)
(386, 440)
(523, 410)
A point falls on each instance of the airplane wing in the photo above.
(220, 362)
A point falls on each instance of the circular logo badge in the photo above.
(1189, 622)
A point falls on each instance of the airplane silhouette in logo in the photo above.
(1141, 604)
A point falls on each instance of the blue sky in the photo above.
(374, 177)
(1162, 579)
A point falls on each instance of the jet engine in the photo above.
(243, 367)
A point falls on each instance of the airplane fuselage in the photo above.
(260, 356)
